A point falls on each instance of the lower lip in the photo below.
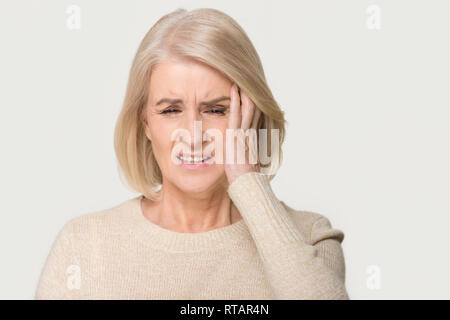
(204, 164)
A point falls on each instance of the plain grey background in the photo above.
(364, 85)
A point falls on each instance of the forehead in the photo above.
(186, 79)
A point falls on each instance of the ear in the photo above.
(146, 129)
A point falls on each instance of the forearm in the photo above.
(292, 266)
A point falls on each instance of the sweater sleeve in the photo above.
(60, 276)
(295, 269)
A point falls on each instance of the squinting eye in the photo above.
(217, 111)
(171, 110)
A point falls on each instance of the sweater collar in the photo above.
(158, 237)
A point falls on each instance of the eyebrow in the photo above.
(204, 103)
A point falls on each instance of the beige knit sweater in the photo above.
(274, 252)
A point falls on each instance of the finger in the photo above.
(234, 119)
(256, 116)
(248, 107)
(254, 148)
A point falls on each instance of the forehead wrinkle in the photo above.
(205, 103)
(205, 87)
(207, 97)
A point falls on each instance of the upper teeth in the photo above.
(193, 159)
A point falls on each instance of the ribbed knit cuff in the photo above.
(266, 218)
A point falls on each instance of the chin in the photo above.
(197, 183)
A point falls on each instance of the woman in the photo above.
(201, 228)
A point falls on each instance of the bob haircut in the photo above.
(205, 35)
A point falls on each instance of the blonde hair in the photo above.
(206, 35)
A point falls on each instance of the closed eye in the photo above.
(171, 110)
(215, 111)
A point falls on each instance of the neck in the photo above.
(191, 212)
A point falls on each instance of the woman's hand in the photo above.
(243, 117)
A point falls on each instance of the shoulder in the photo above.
(313, 226)
(99, 223)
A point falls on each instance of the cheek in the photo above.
(161, 139)
(220, 124)
(217, 125)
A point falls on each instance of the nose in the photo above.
(194, 124)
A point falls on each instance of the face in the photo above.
(181, 92)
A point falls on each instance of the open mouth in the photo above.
(194, 160)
